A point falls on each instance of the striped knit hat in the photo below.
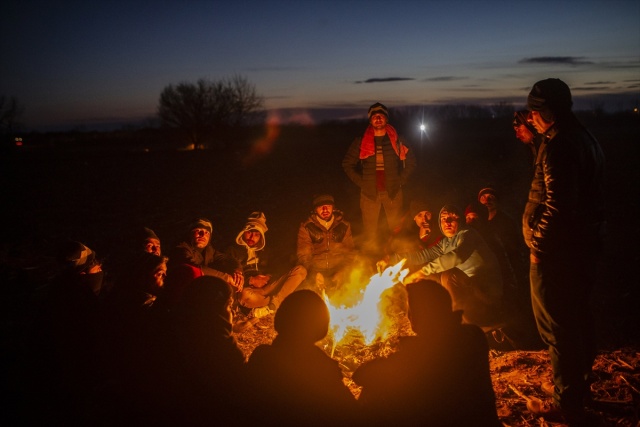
(378, 108)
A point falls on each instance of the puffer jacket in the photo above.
(322, 249)
(363, 172)
(565, 207)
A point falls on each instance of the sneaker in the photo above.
(548, 388)
(260, 312)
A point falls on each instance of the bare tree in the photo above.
(10, 113)
(206, 107)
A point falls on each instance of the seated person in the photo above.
(298, 383)
(414, 232)
(260, 293)
(195, 257)
(439, 377)
(325, 245)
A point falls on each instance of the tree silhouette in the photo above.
(207, 107)
(10, 113)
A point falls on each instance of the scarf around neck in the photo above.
(368, 145)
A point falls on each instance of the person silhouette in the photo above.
(296, 382)
(438, 377)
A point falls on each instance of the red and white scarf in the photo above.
(368, 145)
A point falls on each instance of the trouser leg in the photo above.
(560, 291)
(468, 296)
(392, 209)
(289, 283)
(370, 214)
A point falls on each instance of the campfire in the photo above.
(360, 312)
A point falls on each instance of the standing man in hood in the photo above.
(379, 163)
(563, 226)
(261, 294)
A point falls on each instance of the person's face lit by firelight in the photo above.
(159, 275)
(471, 217)
(489, 200)
(378, 121)
(325, 212)
(536, 120)
(449, 223)
(251, 237)
(152, 246)
(422, 220)
(523, 134)
(200, 237)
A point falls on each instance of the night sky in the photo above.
(80, 63)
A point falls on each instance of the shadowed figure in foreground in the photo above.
(209, 361)
(297, 382)
(439, 377)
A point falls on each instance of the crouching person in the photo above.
(462, 263)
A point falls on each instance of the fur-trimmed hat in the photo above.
(323, 199)
(550, 97)
(203, 223)
(378, 108)
(256, 221)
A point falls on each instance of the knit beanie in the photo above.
(417, 206)
(76, 257)
(550, 98)
(256, 221)
(378, 108)
(520, 118)
(201, 223)
(487, 190)
(323, 199)
(477, 208)
(144, 233)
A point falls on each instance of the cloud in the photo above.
(590, 88)
(385, 79)
(444, 79)
(558, 60)
(599, 83)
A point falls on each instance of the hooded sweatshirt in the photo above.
(253, 260)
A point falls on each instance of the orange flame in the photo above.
(366, 316)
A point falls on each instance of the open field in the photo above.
(98, 195)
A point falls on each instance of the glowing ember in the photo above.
(367, 315)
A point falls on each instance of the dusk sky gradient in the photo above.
(78, 63)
